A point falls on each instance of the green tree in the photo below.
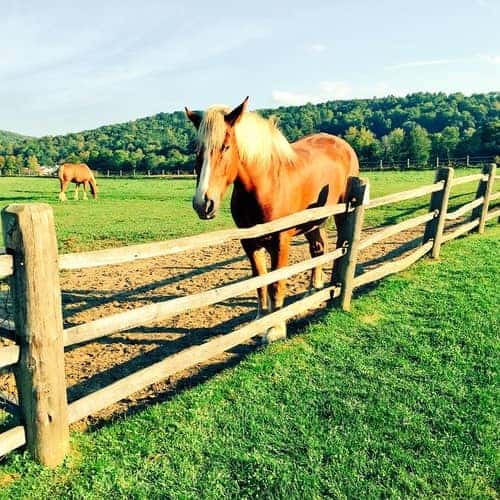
(392, 146)
(33, 164)
(417, 145)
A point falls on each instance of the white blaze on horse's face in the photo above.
(215, 167)
(204, 202)
(200, 196)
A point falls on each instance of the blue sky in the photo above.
(68, 66)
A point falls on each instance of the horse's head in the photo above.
(217, 157)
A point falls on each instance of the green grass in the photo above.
(397, 399)
(142, 210)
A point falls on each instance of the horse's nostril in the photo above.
(209, 206)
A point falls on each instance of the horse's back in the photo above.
(335, 151)
(324, 164)
(75, 172)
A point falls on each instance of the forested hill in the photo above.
(419, 126)
(10, 138)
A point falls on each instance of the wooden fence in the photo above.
(32, 263)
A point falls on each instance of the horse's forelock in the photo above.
(257, 138)
(213, 127)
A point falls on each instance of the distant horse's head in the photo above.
(217, 156)
(94, 188)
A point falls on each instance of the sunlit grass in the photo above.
(142, 210)
(398, 399)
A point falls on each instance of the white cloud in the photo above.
(317, 47)
(336, 90)
(288, 98)
(327, 91)
(489, 58)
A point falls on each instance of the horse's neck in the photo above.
(257, 191)
(257, 179)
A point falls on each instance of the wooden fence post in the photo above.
(30, 237)
(348, 237)
(484, 189)
(439, 201)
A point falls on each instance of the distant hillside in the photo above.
(10, 137)
(419, 126)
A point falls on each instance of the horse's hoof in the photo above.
(260, 314)
(274, 333)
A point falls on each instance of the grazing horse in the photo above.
(81, 175)
(272, 178)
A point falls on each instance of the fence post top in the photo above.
(357, 190)
(16, 208)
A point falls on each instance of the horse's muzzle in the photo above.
(206, 210)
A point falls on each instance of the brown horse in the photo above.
(272, 178)
(81, 175)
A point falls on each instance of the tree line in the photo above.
(420, 126)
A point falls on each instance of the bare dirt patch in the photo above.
(92, 293)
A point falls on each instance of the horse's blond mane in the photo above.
(258, 139)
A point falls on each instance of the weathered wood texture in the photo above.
(149, 250)
(9, 355)
(396, 228)
(494, 196)
(30, 237)
(492, 214)
(12, 439)
(484, 190)
(392, 267)
(460, 230)
(349, 237)
(6, 266)
(189, 357)
(155, 312)
(439, 201)
(459, 212)
(405, 195)
(469, 178)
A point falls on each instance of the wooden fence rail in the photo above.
(397, 228)
(6, 266)
(32, 263)
(465, 208)
(162, 310)
(161, 248)
(405, 195)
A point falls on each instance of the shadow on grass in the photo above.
(181, 338)
(185, 380)
(95, 299)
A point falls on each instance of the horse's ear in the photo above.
(233, 116)
(194, 116)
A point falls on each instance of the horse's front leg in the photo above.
(279, 250)
(339, 224)
(85, 184)
(257, 257)
(77, 186)
(62, 194)
(318, 245)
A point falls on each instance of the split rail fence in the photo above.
(32, 263)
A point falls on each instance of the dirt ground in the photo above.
(92, 293)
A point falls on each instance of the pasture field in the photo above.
(142, 210)
(397, 399)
